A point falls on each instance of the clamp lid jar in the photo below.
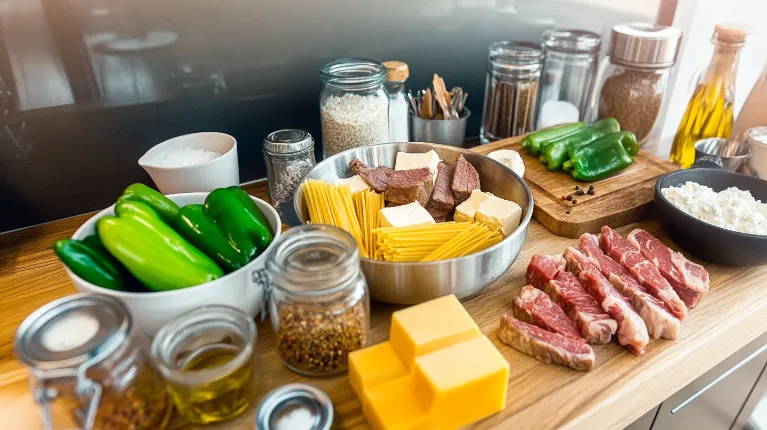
(85, 354)
(319, 304)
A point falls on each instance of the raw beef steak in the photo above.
(407, 186)
(442, 199)
(632, 331)
(656, 315)
(377, 178)
(689, 280)
(543, 268)
(614, 245)
(546, 346)
(593, 323)
(535, 307)
(465, 180)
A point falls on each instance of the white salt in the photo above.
(181, 157)
(297, 419)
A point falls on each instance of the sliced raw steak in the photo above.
(465, 180)
(614, 245)
(593, 323)
(546, 346)
(632, 331)
(377, 178)
(407, 186)
(689, 280)
(442, 199)
(543, 268)
(656, 315)
(535, 307)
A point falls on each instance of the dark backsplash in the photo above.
(81, 107)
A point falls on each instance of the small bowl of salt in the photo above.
(196, 162)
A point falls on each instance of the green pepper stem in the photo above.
(567, 166)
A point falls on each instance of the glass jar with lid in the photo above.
(319, 304)
(632, 79)
(511, 90)
(569, 69)
(397, 73)
(289, 155)
(206, 356)
(354, 105)
(89, 366)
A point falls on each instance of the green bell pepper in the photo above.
(152, 251)
(90, 263)
(235, 213)
(532, 142)
(557, 152)
(603, 157)
(199, 229)
(164, 206)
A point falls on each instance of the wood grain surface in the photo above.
(620, 199)
(620, 389)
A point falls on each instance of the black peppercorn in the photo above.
(569, 198)
(577, 188)
(591, 192)
(575, 201)
(591, 187)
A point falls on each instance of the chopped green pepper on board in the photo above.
(165, 207)
(152, 251)
(196, 227)
(532, 142)
(558, 151)
(603, 157)
(235, 213)
(90, 263)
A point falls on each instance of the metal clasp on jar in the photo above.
(85, 388)
(262, 279)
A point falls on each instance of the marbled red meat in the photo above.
(614, 245)
(656, 315)
(689, 280)
(535, 307)
(546, 346)
(543, 268)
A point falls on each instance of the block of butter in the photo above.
(408, 161)
(499, 214)
(465, 211)
(405, 215)
(356, 183)
(427, 327)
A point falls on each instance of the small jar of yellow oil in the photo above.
(207, 359)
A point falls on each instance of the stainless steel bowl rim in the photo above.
(521, 229)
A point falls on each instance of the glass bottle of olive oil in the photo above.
(710, 110)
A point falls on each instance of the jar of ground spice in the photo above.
(319, 303)
(89, 366)
(632, 79)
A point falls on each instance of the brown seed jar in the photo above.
(141, 405)
(634, 98)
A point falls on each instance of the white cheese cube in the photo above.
(405, 215)
(356, 183)
(408, 161)
(465, 211)
(511, 159)
(499, 214)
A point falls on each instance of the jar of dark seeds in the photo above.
(511, 90)
(319, 304)
(289, 155)
(86, 356)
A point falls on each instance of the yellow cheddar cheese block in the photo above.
(462, 383)
(393, 405)
(430, 326)
(373, 366)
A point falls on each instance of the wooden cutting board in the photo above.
(619, 200)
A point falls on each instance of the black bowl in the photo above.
(706, 241)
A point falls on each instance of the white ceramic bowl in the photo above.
(152, 310)
(204, 177)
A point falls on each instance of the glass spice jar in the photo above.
(319, 304)
(89, 366)
(206, 356)
(511, 90)
(289, 155)
(354, 105)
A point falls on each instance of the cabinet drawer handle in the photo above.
(720, 378)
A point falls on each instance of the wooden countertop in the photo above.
(620, 389)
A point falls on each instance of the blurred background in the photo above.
(87, 86)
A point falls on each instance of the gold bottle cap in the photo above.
(731, 33)
(396, 71)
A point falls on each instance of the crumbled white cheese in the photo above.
(733, 209)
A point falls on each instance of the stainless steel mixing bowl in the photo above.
(411, 283)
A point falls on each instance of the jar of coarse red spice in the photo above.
(319, 303)
(89, 366)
